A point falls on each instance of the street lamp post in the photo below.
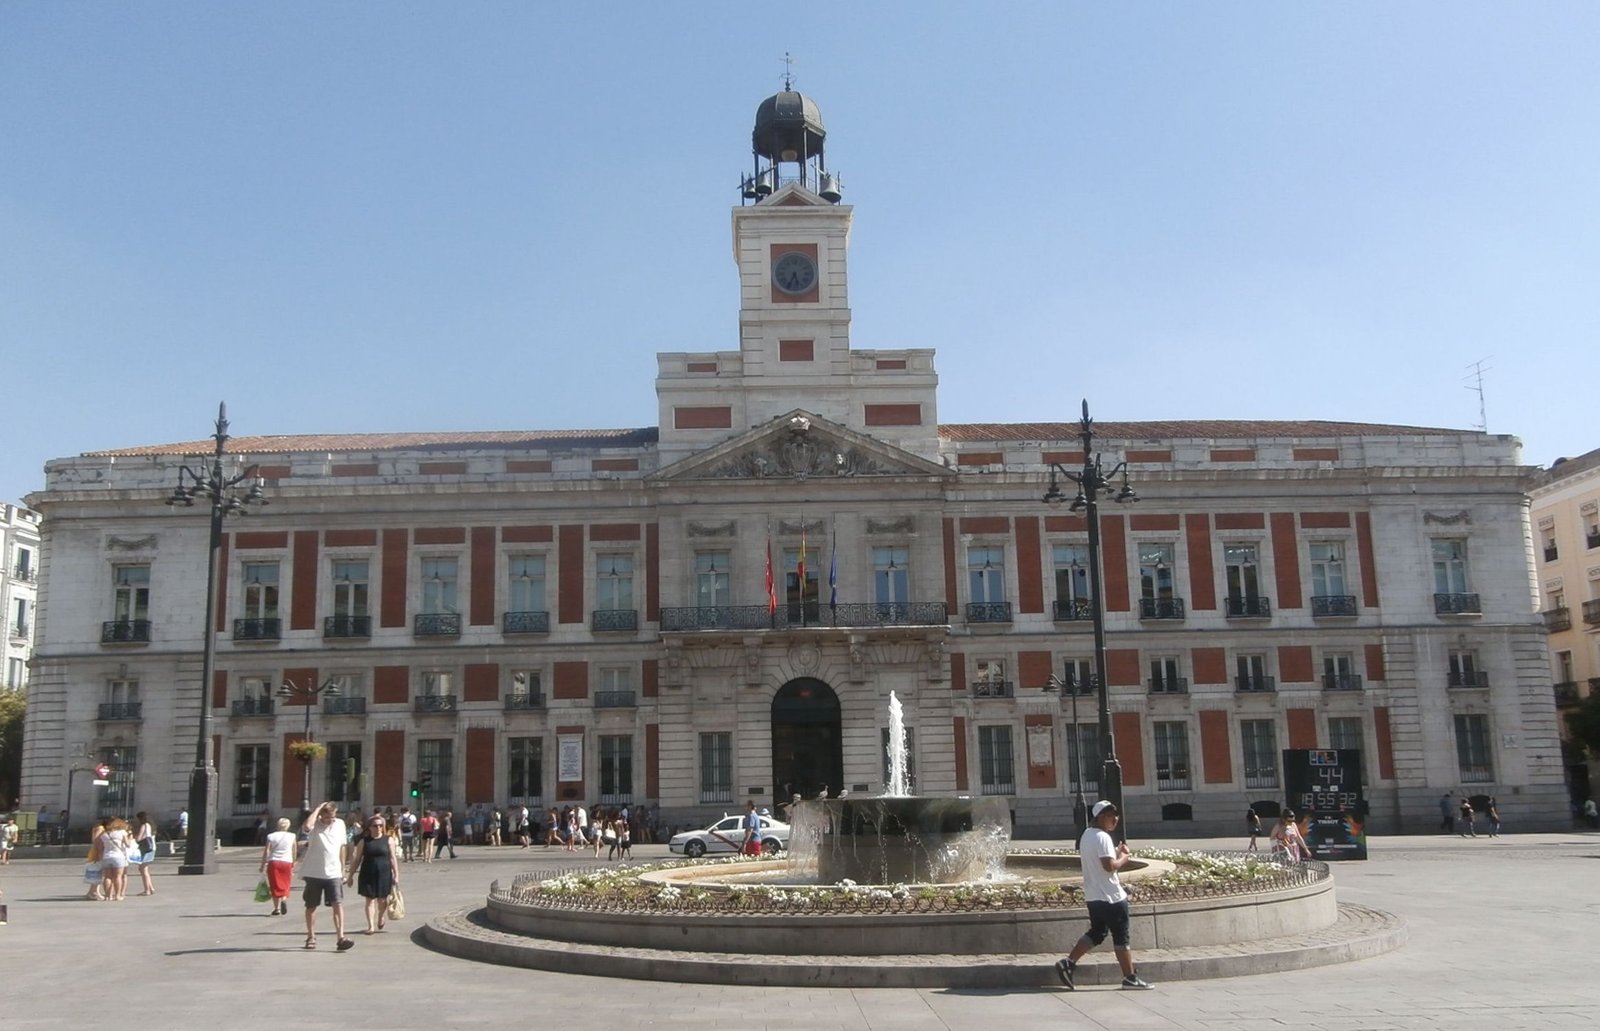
(1094, 480)
(289, 689)
(1080, 808)
(220, 491)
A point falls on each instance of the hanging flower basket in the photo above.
(308, 751)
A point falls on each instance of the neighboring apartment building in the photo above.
(718, 606)
(19, 586)
(1566, 516)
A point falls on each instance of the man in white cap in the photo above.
(1108, 900)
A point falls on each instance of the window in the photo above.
(525, 769)
(1464, 670)
(616, 687)
(711, 586)
(350, 587)
(1155, 571)
(1346, 732)
(1564, 668)
(24, 566)
(1472, 749)
(990, 681)
(1450, 566)
(994, 760)
(345, 779)
(1551, 552)
(716, 767)
(1244, 578)
(1172, 756)
(614, 581)
(1088, 744)
(911, 759)
(260, 590)
(117, 796)
(616, 769)
(439, 583)
(1072, 581)
(1591, 530)
(1080, 674)
(1260, 753)
(1338, 674)
(255, 697)
(19, 626)
(252, 773)
(436, 758)
(890, 576)
(986, 575)
(1327, 569)
(1252, 673)
(526, 593)
(122, 700)
(527, 688)
(437, 683)
(1165, 677)
(16, 674)
(131, 594)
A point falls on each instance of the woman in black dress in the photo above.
(375, 871)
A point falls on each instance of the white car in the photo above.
(727, 835)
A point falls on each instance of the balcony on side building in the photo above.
(344, 705)
(602, 620)
(759, 617)
(1457, 605)
(525, 622)
(121, 711)
(1341, 681)
(1466, 678)
(436, 624)
(1169, 685)
(253, 707)
(1332, 605)
(348, 627)
(1591, 612)
(1255, 684)
(1566, 692)
(257, 629)
(434, 703)
(1557, 620)
(988, 612)
(993, 689)
(518, 701)
(1073, 610)
(1249, 607)
(1161, 608)
(125, 631)
(614, 700)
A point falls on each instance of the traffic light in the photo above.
(350, 770)
(427, 780)
(416, 790)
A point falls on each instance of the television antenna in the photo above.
(1475, 373)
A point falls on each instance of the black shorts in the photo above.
(323, 891)
(1108, 916)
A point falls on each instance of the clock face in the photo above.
(794, 273)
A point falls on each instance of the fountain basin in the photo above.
(900, 840)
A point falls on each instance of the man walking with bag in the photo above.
(1108, 900)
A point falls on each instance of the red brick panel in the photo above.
(483, 568)
(650, 679)
(1033, 670)
(1380, 722)
(1066, 458)
(355, 469)
(703, 417)
(219, 689)
(527, 534)
(1130, 747)
(1149, 456)
(274, 472)
(1041, 776)
(571, 680)
(1316, 454)
(389, 767)
(1202, 584)
(985, 524)
(482, 682)
(570, 593)
(392, 604)
(1030, 565)
(652, 572)
(303, 604)
(480, 765)
(440, 535)
(614, 532)
(1233, 454)
(958, 672)
(247, 541)
(1114, 561)
(391, 685)
(1302, 728)
(294, 773)
(1294, 664)
(700, 367)
(1154, 522)
(1368, 558)
(350, 538)
(950, 564)
(304, 677)
(1066, 524)
(1375, 669)
(893, 415)
(652, 760)
(1122, 667)
(1286, 560)
(1216, 753)
(1210, 665)
(798, 351)
(959, 728)
(981, 458)
(1240, 521)
(1324, 520)
(887, 364)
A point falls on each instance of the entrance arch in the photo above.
(807, 745)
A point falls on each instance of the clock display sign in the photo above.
(794, 273)
(1324, 789)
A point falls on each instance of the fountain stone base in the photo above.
(900, 840)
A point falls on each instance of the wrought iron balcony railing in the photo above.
(1169, 685)
(125, 631)
(26, 574)
(1341, 681)
(257, 629)
(614, 700)
(347, 626)
(1557, 620)
(1467, 678)
(1072, 610)
(1566, 692)
(1260, 777)
(1456, 605)
(614, 619)
(1248, 607)
(1551, 554)
(525, 622)
(1477, 773)
(758, 617)
(121, 710)
(344, 705)
(1333, 604)
(1161, 608)
(435, 703)
(992, 689)
(1591, 612)
(1174, 778)
(253, 707)
(1591, 540)
(524, 700)
(1255, 683)
(988, 612)
(436, 624)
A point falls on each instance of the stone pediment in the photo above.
(800, 446)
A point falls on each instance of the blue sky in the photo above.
(347, 217)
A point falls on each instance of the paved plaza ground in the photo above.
(1504, 933)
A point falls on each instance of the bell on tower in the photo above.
(787, 147)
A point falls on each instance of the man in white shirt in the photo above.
(1101, 858)
(322, 868)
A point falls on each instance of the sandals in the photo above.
(345, 944)
(311, 943)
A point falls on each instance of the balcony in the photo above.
(436, 624)
(125, 631)
(344, 705)
(1591, 612)
(1591, 540)
(1169, 685)
(1466, 678)
(1557, 620)
(993, 689)
(21, 629)
(128, 711)
(434, 703)
(253, 707)
(348, 627)
(988, 612)
(1566, 692)
(525, 622)
(1257, 684)
(1341, 681)
(614, 700)
(1161, 608)
(1249, 607)
(1073, 610)
(25, 574)
(614, 619)
(758, 617)
(1551, 554)
(1333, 604)
(257, 629)
(1457, 605)
(521, 702)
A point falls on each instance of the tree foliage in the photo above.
(13, 704)
(1584, 723)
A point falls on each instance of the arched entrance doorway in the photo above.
(807, 755)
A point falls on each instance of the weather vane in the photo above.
(788, 72)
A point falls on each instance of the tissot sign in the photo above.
(1324, 787)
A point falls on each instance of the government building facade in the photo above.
(718, 607)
